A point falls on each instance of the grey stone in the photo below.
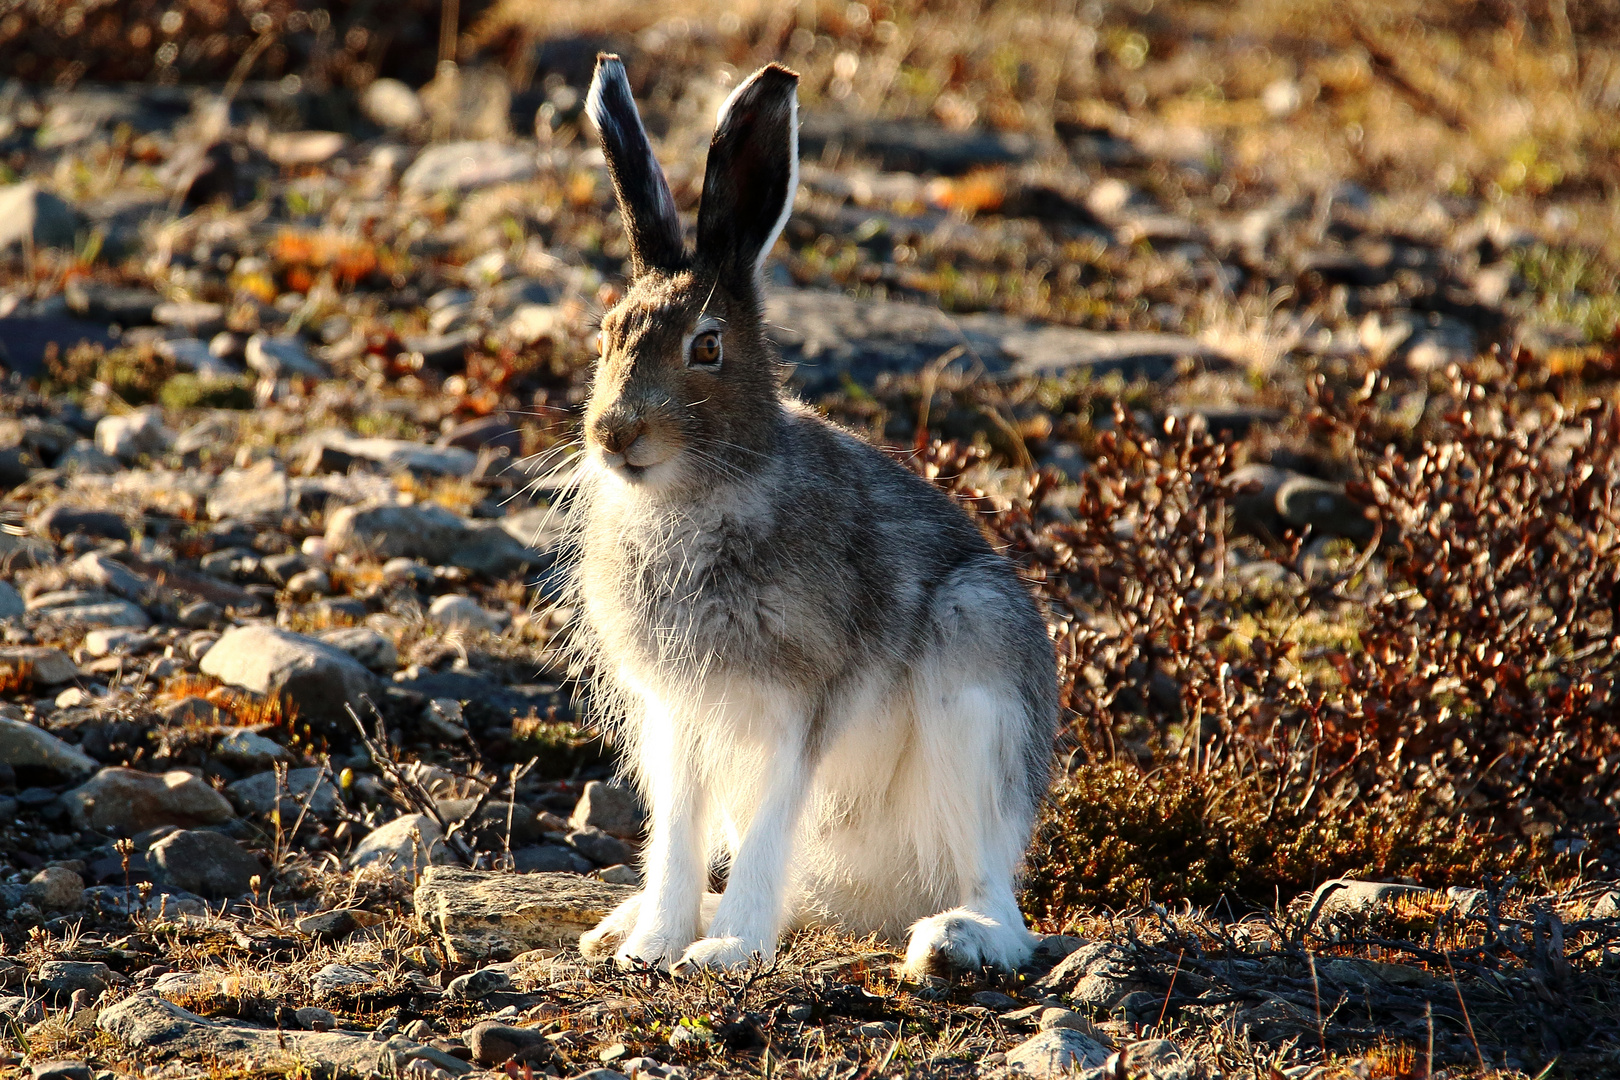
(366, 645)
(22, 745)
(477, 985)
(117, 641)
(494, 1043)
(206, 863)
(463, 613)
(63, 519)
(407, 845)
(280, 357)
(315, 1018)
(428, 532)
(129, 436)
(61, 1070)
(101, 572)
(391, 104)
(26, 211)
(11, 601)
(1056, 1052)
(1606, 906)
(44, 664)
(135, 801)
(341, 979)
(549, 859)
(1342, 896)
(62, 977)
(620, 874)
(124, 305)
(247, 748)
(610, 807)
(55, 888)
(262, 793)
(1148, 1055)
(93, 612)
(491, 916)
(599, 847)
(201, 317)
(1268, 500)
(259, 491)
(83, 457)
(318, 678)
(829, 336)
(146, 1020)
(467, 166)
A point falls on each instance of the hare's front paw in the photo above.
(648, 950)
(964, 940)
(724, 953)
(603, 941)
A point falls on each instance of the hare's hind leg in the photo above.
(604, 940)
(974, 826)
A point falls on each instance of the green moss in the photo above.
(192, 392)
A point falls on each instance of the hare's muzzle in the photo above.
(616, 434)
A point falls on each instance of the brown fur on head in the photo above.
(687, 387)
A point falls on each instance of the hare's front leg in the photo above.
(667, 918)
(749, 917)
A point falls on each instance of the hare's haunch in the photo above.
(824, 677)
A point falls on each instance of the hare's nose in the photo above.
(616, 436)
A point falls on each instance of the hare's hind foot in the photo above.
(621, 936)
(964, 939)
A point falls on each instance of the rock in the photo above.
(1304, 501)
(192, 710)
(599, 847)
(391, 104)
(116, 642)
(829, 337)
(995, 999)
(621, 874)
(337, 924)
(335, 979)
(55, 888)
(62, 1070)
(146, 1020)
(484, 915)
(130, 436)
(62, 520)
(126, 306)
(1475, 902)
(11, 601)
(259, 491)
(316, 677)
(550, 859)
(83, 457)
(494, 1043)
(399, 455)
(442, 352)
(467, 166)
(307, 584)
(1149, 1054)
(27, 212)
(407, 845)
(45, 666)
(24, 746)
(262, 793)
(1052, 1017)
(1057, 1052)
(315, 1018)
(200, 317)
(387, 531)
(365, 645)
(1606, 906)
(88, 610)
(1343, 896)
(463, 613)
(246, 748)
(304, 147)
(62, 977)
(206, 863)
(135, 801)
(98, 571)
(480, 984)
(496, 432)
(611, 808)
(281, 357)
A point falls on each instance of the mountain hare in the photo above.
(823, 676)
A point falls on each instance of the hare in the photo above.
(823, 676)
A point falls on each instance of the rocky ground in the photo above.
(291, 780)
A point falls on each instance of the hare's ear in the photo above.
(645, 204)
(752, 174)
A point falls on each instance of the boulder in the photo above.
(129, 436)
(24, 746)
(610, 807)
(147, 1021)
(45, 666)
(365, 645)
(62, 977)
(386, 530)
(206, 863)
(263, 793)
(1056, 1052)
(246, 748)
(135, 801)
(493, 1043)
(463, 613)
(485, 915)
(1342, 896)
(407, 845)
(55, 888)
(317, 678)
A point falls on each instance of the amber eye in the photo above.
(601, 342)
(705, 350)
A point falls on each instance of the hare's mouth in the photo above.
(635, 461)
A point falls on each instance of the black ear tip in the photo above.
(776, 72)
(607, 58)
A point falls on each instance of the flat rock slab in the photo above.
(1058, 1052)
(830, 337)
(22, 745)
(496, 916)
(150, 1022)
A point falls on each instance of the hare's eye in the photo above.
(601, 343)
(705, 350)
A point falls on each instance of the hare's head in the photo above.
(686, 388)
